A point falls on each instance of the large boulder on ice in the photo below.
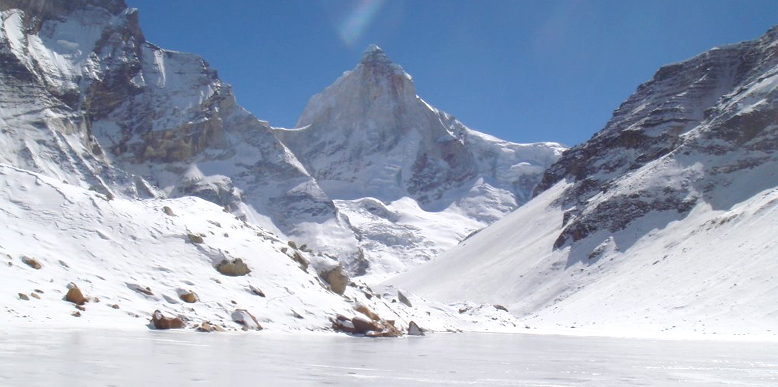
(414, 330)
(342, 323)
(160, 321)
(362, 326)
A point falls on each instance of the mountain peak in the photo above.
(374, 54)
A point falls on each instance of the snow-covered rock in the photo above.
(663, 221)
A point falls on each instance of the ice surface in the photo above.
(98, 358)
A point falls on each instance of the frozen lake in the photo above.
(106, 358)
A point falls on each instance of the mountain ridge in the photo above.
(659, 223)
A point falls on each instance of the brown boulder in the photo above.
(234, 268)
(342, 323)
(31, 262)
(363, 326)
(24, 297)
(74, 295)
(205, 326)
(168, 211)
(188, 297)
(195, 238)
(161, 321)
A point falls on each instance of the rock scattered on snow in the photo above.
(257, 291)
(74, 295)
(24, 297)
(31, 262)
(337, 278)
(362, 326)
(145, 290)
(243, 317)
(500, 307)
(168, 211)
(188, 297)
(234, 268)
(404, 299)
(205, 326)
(195, 238)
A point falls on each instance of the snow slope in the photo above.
(131, 257)
(663, 221)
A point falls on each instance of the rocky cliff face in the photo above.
(692, 130)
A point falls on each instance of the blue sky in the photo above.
(523, 71)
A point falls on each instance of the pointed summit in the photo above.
(374, 54)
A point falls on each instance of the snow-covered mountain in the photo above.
(663, 221)
(412, 179)
(86, 99)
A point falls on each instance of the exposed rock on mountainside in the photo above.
(700, 123)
